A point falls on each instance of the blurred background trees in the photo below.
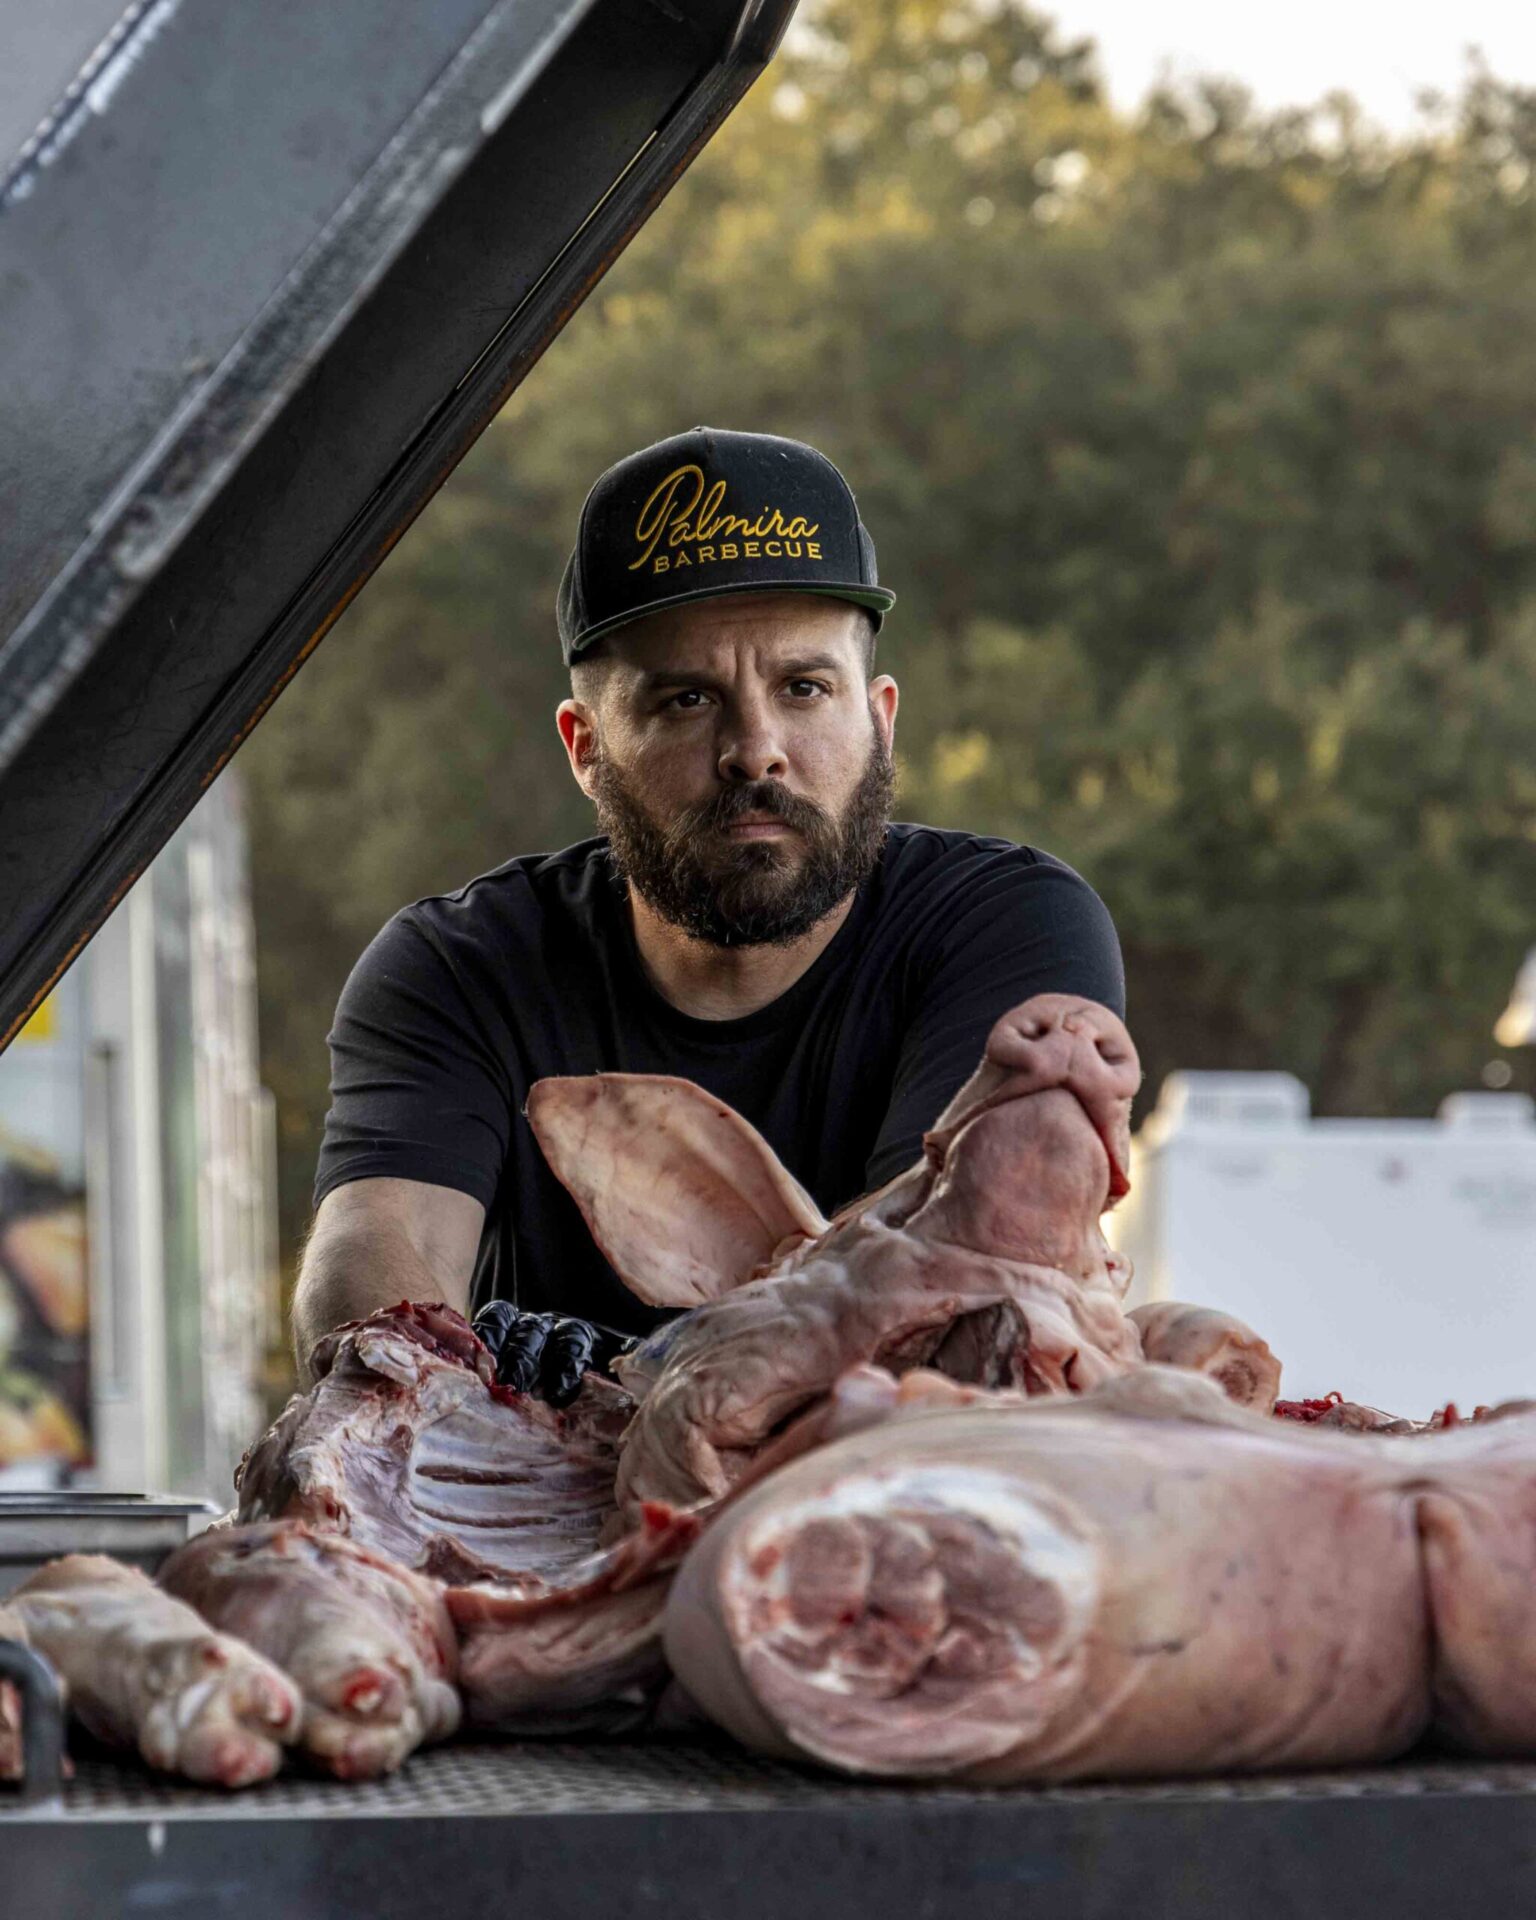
(1199, 447)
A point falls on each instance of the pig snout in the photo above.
(1053, 1040)
(1059, 1040)
(1056, 1039)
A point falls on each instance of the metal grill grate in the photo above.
(538, 1779)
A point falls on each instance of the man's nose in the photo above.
(751, 748)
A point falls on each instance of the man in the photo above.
(749, 920)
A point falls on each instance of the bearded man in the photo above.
(750, 919)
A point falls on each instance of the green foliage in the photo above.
(1325, 865)
(1200, 450)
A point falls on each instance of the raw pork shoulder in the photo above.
(984, 1260)
(1147, 1580)
(144, 1671)
(368, 1644)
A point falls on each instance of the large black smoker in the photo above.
(267, 267)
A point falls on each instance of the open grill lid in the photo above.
(265, 273)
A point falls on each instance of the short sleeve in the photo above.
(417, 1092)
(1026, 924)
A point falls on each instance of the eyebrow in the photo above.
(661, 677)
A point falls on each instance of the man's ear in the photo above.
(883, 697)
(578, 735)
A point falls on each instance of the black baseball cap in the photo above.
(709, 512)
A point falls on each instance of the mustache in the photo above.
(766, 797)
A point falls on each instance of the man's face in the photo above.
(740, 762)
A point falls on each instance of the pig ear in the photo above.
(682, 1195)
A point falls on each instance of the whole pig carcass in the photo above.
(556, 1532)
(984, 1260)
(1145, 1581)
(408, 1447)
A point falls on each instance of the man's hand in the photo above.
(545, 1353)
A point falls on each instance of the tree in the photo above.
(1198, 447)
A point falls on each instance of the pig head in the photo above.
(1036, 1145)
(984, 1258)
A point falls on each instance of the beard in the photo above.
(756, 893)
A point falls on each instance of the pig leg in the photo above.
(1144, 1582)
(915, 1629)
(1213, 1343)
(368, 1644)
(144, 1671)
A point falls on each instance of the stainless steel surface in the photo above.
(140, 1528)
(540, 1779)
(697, 1831)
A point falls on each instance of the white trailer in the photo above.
(1392, 1260)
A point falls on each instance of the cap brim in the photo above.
(877, 599)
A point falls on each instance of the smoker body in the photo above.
(690, 1831)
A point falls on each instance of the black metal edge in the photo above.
(157, 504)
(91, 888)
(55, 130)
(442, 443)
(1417, 1860)
(42, 1727)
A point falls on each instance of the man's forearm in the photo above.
(345, 1277)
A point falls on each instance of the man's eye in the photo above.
(685, 699)
(806, 689)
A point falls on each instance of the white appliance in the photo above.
(1391, 1260)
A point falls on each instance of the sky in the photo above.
(1382, 51)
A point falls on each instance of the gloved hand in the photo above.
(546, 1353)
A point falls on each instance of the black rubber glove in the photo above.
(546, 1353)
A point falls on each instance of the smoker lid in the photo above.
(265, 273)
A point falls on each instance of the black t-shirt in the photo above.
(465, 999)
